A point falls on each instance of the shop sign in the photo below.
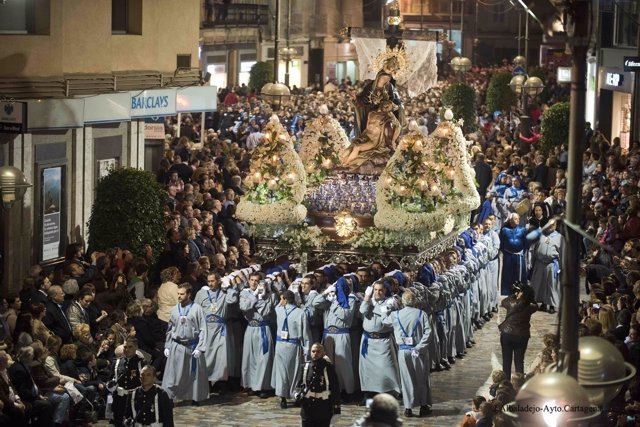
(12, 117)
(614, 79)
(154, 131)
(153, 103)
(632, 63)
(564, 75)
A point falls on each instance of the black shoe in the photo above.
(552, 310)
(363, 402)
(408, 413)
(452, 360)
(194, 403)
(425, 410)
(472, 341)
(437, 368)
(283, 403)
(490, 315)
(495, 309)
(264, 394)
(543, 307)
(469, 345)
(486, 317)
(460, 356)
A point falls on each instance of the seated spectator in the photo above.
(470, 417)
(48, 385)
(39, 330)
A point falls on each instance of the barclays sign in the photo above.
(153, 103)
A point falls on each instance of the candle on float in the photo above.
(435, 190)
(423, 185)
(327, 163)
(291, 178)
(272, 184)
(402, 189)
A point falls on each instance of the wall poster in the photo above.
(52, 210)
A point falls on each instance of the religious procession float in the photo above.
(388, 196)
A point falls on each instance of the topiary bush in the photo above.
(500, 97)
(127, 212)
(555, 126)
(462, 99)
(261, 73)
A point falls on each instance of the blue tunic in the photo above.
(513, 243)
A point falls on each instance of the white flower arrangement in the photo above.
(276, 183)
(305, 238)
(322, 140)
(376, 240)
(427, 184)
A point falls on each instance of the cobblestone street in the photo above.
(452, 390)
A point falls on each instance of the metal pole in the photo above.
(476, 42)
(276, 54)
(569, 354)
(450, 19)
(288, 35)
(461, 27)
(519, 30)
(635, 101)
(526, 39)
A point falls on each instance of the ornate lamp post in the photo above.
(460, 65)
(523, 85)
(13, 185)
(276, 94)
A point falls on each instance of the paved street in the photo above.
(452, 390)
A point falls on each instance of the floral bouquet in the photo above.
(322, 140)
(427, 183)
(276, 183)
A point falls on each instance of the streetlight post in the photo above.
(460, 65)
(577, 20)
(276, 43)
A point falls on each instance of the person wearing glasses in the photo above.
(515, 329)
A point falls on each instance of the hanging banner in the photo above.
(51, 221)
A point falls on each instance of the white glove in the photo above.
(225, 283)
(331, 297)
(368, 292)
(329, 289)
(196, 353)
(384, 310)
(255, 267)
(262, 295)
(166, 352)
(415, 353)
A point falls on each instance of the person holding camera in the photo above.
(150, 405)
(318, 390)
(126, 379)
(515, 329)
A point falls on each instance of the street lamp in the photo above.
(275, 94)
(13, 185)
(523, 85)
(533, 86)
(520, 61)
(460, 65)
(288, 53)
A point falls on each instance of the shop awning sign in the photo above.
(13, 117)
(632, 63)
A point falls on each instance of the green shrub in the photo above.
(127, 212)
(555, 126)
(261, 73)
(462, 99)
(500, 97)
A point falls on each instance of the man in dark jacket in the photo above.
(541, 171)
(56, 319)
(40, 410)
(320, 390)
(484, 175)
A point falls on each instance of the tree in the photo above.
(127, 212)
(462, 99)
(500, 97)
(555, 126)
(261, 73)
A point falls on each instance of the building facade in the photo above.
(77, 80)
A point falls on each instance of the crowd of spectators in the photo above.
(66, 326)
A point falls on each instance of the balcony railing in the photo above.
(237, 15)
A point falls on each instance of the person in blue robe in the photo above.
(513, 244)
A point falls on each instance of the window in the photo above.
(25, 17)
(626, 24)
(183, 61)
(126, 17)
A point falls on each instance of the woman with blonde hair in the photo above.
(39, 331)
(607, 318)
(168, 292)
